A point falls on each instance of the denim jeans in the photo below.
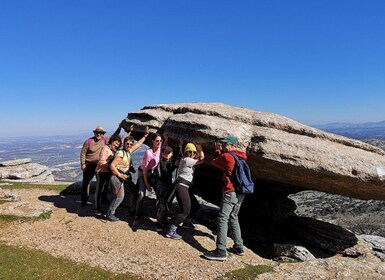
(117, 189)
(228, 220)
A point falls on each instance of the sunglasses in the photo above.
(99, 133)
(128, 144)
(158, 141)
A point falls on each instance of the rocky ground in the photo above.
(75, 233)
(359, 216)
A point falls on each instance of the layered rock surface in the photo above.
(283, 154)
(24, 170)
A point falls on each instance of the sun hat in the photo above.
(190, 147)
(99, 129)
(229, 139)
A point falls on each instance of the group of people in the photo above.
(103, 156)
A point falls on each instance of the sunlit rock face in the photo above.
(24, 170)
(282, 153)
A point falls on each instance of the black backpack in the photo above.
(241, 177)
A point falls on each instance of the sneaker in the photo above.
(215, 255)
(159, 227)
(112, 218)
(188, 224)
(173, 235)
(237, 251)
(98, 212)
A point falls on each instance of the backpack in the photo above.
(241, 178)
(89, 140)
(113, 157)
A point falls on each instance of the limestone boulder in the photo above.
(24, 170)
(292, 252)
(16, 205)
(377, 243)
(282, 153)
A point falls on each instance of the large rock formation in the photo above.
(24, 170)
(284, 155)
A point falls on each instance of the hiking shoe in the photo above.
(215, 255)
(188, 224)
(98, 212)
(237, 251)
(173, 235)
(112, 218)
(159, 227)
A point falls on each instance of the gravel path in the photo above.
(73, 232)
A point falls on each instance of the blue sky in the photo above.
(67, 66)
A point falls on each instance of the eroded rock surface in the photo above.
(24, 170)
(282, 152)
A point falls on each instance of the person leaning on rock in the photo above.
(89, 157)
(120, 177)
(231, 201)
(193, 156)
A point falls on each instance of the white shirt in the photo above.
(186, 168)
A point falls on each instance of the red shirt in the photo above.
(226, 163)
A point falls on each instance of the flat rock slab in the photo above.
(15, 162)
(281, 151)
(24, 170)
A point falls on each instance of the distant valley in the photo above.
(361, 131)
(61, 153)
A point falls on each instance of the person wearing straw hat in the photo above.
(89, 157)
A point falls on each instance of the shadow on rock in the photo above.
(322, 239)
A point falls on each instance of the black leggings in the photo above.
(188, 203)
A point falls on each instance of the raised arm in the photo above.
(117, 131)
(200, 154)
(141, 141)
(128, 133)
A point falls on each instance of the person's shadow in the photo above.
(148, 222)
(71, 202)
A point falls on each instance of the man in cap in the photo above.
(231, 201)
(89, 157)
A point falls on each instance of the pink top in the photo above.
(105, 156)
(150, 160)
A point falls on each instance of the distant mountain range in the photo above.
(361, 131)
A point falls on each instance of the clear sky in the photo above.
(68, 66)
